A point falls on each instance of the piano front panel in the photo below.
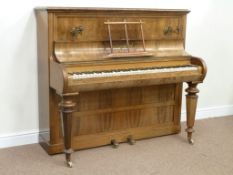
(96, 30)
(93, 43)
(121, 109)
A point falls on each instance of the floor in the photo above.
(212, 154)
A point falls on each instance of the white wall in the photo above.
(209, 35)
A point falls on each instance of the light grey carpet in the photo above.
(212, 154)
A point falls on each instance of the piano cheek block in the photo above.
(103, 80)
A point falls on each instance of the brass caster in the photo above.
(69, 164)
(131, 141)
(114, 143)
(191, 141)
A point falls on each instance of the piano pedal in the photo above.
(114, 143)
(131, 141)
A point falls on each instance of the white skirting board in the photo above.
(21, 138)
(203, 113)
(30, 137)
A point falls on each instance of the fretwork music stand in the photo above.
(128, 53)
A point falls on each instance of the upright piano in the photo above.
(108, 76)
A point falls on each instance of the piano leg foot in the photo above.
(191, 141)
(68, 158)
(69, 164)
(191, 105)
(189, 135)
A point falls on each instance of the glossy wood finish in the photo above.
(191, 105)
(96, 111)
(67, 107)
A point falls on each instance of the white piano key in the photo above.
(131, 72)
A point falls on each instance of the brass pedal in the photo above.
(114, 143)
(131, 141)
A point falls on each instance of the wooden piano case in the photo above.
(101, 116)
(117, 114)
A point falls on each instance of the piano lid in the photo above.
(72, 9)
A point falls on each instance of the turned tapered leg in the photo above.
(67, 108)
(191, 105)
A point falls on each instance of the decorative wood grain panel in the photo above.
(116, 109)
(96, 30)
